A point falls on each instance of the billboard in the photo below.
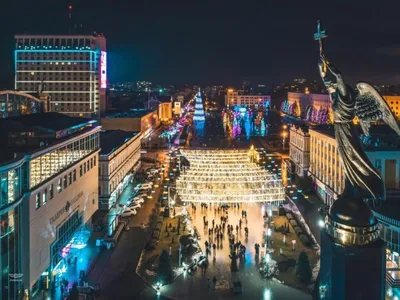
(103, 70)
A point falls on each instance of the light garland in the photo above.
(224, 176)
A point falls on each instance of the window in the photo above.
(84, 168)
(91, 163)
(44, 197)
(51, 191)
(59, 186)
(74, 176)
(94, 161)
(87, 166)
(37, 200)
(69, 178)
(65, 182)
(80, 170)
(378, 163)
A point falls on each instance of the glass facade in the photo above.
(391, 237)
(10, 186)
(57, 160)
(64, 234)
(10, 260)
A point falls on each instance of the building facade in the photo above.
(327, 173)
(394, 104)
(299, 150)
(239, 97)
(119, 159)
(165, 111)
(51, 190)
(315, 108)
(142, 120)
(71, 69)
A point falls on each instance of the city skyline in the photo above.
(218, 42)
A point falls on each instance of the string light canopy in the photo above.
(226, 176)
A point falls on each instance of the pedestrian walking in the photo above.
(237, 229)
(213, 223)
(215, 282)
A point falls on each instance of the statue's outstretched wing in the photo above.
(370, 107)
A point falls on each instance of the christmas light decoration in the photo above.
(226, 176)
(198, 109)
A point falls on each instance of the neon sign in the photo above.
(103, 70)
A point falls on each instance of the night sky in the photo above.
(220, 42)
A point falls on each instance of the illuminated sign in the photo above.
(103, 70)
(65, 208)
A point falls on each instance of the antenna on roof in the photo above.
(70, 16)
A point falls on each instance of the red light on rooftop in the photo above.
(70, 7)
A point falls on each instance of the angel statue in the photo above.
(362, 181)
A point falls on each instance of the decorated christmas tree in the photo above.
(198, 108)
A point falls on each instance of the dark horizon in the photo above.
(223, 43)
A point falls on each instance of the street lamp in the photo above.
(268, 236)
(284, 135)
(321, 223)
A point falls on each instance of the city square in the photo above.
(199, 150)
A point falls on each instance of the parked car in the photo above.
(133, 205)
(128, 212)
(138, 200)
(144, 189)
(146, 186)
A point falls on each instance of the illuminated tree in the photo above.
(297, 110)
(329, 119)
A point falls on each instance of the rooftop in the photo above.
(133, 113)
(381, 137)
(50, 122)
(49, 128)
(391, 206)
(111, 140)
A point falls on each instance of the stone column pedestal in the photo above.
(353, 264)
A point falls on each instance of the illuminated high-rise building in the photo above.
(70, 69)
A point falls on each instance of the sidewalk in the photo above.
(85, 259)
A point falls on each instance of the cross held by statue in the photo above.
(319, 36)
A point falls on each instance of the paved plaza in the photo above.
(254, 286)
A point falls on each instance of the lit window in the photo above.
(44, 197)
(69, 178)
(65, 181)
(378, 163)
(37, 200)
(51, 192)
(59, 186)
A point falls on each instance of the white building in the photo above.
(51, 191)
(119, 159)
(238, 97)
(299, 150)
(325, 168)
(71, 69)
